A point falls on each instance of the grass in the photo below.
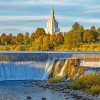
(90, 83)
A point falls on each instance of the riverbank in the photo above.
(63, 87)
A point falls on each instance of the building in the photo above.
(52, 24)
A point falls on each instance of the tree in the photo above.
(39, 32)
(3, 39)
(94, 32)
(75, 26)
(37, 44)
(26, 38)
(79, 29)
(72, 39)
(98, 34)
(47, 44)
(9, 38)
(57, 39)
(14, 40)
(32, 38)
(88, 36)
(20, 38)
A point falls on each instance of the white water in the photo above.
(30, 70)
(48, 68)
(57, 67)
(62, 72)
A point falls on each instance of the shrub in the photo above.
(89, 82)
(56, 80)
(95, 90)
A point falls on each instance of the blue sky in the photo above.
(26, 15)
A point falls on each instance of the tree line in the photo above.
(78, 35)
(40, 40)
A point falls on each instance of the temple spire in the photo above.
(52, 24)
(52, 12)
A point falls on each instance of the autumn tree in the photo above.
(88, 36)
(39, 32)
(37, 44)
(9, 39)
(20, 38)
(14, 40)
(57, 39)
(4, 39)
(47, 44)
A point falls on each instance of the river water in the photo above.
(20, 90)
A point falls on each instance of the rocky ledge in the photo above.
(64, 88)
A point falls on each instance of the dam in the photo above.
(38, 65)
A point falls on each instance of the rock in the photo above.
(99, 97)
(43, 98)
(29, 97)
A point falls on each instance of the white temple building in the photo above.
(52, 24)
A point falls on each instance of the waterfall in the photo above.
(63, 69)
(48, 68)
(57, 67)
(30, 70)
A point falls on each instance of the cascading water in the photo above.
(57, 67)
(63, 69)
(31, 70)
(48, 68)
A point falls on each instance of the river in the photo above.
(20, 90)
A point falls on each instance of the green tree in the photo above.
(94, 32)
(98, 34)
(26, 38)
(32, 38)
(75, 26)
(72, 39)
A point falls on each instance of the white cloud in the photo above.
(89, 21)
(15, 3)
(65, 29)
(92, 9)
(19, 28)
(22, 18)
(27, 18)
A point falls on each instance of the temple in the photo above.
(52, 24)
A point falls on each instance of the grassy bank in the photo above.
(89, 83)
